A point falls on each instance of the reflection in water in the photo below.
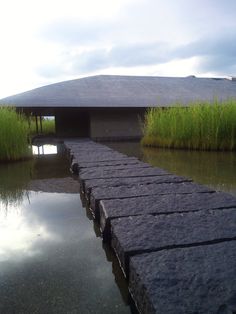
(46, 149)
(51, 261)
(215, 169)
(17, 233)
(14, 181)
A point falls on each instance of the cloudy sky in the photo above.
(48, 41)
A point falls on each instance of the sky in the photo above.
(49, 41)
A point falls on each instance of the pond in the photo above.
(215, 169)
(52, 259)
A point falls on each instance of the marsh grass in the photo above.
(13, 135)
(205, 126)
(48, 126)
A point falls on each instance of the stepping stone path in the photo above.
(175, 240)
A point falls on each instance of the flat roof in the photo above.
(112, 91)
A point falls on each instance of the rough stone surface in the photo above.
(93, 157)
(124, 173)
(161, 204)
(77, 167)
(86, 147)
(100, 170)
(91, 150)
(124, 161)
(108, 171)
(101, 193)
(92, 183)
(191, 280)
(139, 234)
(96, 153)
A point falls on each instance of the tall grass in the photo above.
(13, 135)
(205, 126)
(48, 126)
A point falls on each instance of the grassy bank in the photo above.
(14, 131)
(205, 126)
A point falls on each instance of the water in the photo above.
(52, 259)
(215, 169)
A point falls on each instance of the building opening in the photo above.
(43, 125)
(73, 122)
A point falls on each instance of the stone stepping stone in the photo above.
(100, 193)
(94, 157)
(125, 173)
(115, 182)
(90, 150)
(140, 234)
(160, 204)
(78, 147)
(76, 168)
(190, 280)
(124, 161)
(108, 171)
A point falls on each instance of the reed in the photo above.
(13, 135)
(48, 126)
(204, 126)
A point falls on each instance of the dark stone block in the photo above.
(98, 193)
(86, 147)
(115, 182)
(91, 149)
(125, 173)
(190, 280)
(96, 153)
(124, 161)
(108, 171)
(94, 157)
(160, 204)
(93, 166)
(140, 234)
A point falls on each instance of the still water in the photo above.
(52, 259)
(215, 169)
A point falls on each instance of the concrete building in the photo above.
(113, 107)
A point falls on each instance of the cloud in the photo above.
(149, 33)
(217, 54)
(132, 55)
(74, 32)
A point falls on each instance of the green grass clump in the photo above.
(205, 126)
(13, 135)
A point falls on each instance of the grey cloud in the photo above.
(216, 54)
(91, 61)
(216, 64)
(119, 56)
(123, 56)
(223, 44)
(140, 54)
